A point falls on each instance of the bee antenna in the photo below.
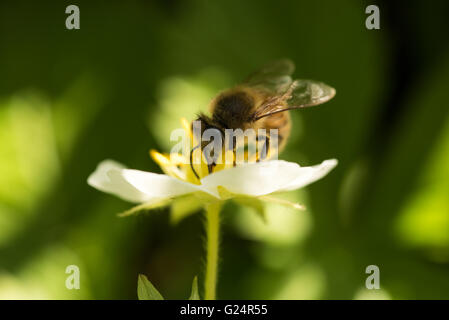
(191, 161)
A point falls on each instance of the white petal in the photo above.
(100, 180)
(156, 185)
(308, 175)
(136, 186)
(254, 179)
(262, 178)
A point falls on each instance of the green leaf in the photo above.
(195, 295)
(146, 291)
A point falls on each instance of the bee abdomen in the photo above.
(282, 123)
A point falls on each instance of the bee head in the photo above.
(210, 136)
(232, 109)
(204, 127)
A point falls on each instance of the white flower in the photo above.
(250, 180)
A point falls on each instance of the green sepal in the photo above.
(254, 203)
(183, 207)
(146, 207)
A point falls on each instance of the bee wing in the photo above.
(300, 94)
(273, 77)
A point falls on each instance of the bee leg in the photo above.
(259, 153)
(234, 151)
(211, 166)
(211, 162)
(257, 144)
(191, 162)
(267, 147)
(264, 152)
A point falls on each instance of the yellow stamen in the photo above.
(167, 165)
(187, 127)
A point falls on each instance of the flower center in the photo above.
(200, 162)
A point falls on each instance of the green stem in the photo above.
(212, 238)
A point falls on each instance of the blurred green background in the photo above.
(115, 89)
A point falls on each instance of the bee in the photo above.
(262, 101)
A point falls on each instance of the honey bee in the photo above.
(262, 101)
